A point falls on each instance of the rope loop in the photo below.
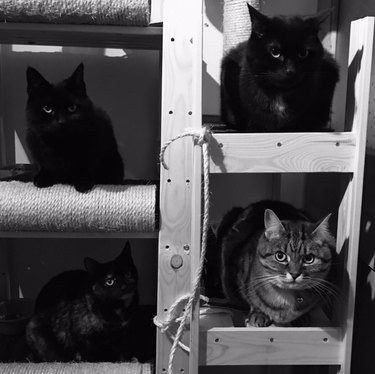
(202, 138)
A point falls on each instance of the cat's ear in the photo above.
(76, 80)
(320, 230)
(274, 227)
(126, 254)
(91, 265)
(315, 21)
(35, 80)
(259, 21)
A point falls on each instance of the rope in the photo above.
(106, 208)
(103, 12)
(202, 138)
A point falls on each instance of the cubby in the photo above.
(337, 152)
(180, 42)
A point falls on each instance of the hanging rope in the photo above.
(202, 137)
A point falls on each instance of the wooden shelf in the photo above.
(96, 36)
(283, 153)
(79, 235)
(271, 346)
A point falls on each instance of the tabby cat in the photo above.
(70, 140)
(281, 79)
(85, 315)
(274, 261)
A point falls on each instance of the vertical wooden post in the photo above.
(180, 184)
(360, 62)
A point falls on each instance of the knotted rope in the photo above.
(202, 138)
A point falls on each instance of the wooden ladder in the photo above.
(180, 201)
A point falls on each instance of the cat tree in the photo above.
(180, 192)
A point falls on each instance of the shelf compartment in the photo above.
(108, 209)
(95, 36)
(271, 346)
(283, 152)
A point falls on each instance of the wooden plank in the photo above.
(179, 111)
(157, 7)
(196, 213)
(271, 346)
(283, 152)
(359, 73)
(79, 235)
(82, 35)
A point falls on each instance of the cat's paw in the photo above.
(42, 180)
(257, 319)
(84, 185)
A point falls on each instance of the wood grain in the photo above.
(181, 109)
(358, 96)
(271, 346)
(283, 152)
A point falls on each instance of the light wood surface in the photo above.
(283, 152)
(359, 73)
(271, 346)
(181, 109)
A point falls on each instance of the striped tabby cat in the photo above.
(275, 261)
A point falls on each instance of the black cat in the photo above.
(70, 140)
(86, 315)
(281, 79)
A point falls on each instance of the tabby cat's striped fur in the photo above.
(274, 260)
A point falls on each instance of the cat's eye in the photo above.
(47, 109)
(303, 53)
(275, 52)
(308, 259)
(72, 108)
(110, 282)
(280, 256)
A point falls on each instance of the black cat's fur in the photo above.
(281, 79)
(70, 140)
(86, 315)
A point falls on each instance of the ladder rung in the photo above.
(271, 346)
(283, 152)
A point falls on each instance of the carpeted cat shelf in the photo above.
(76, 368)
(236, 21)
(103, 12)
(106, 208)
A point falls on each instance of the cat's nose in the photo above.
(294, 275)
(61, 120)
(290, 69)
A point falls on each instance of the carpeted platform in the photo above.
(103, 12)
(76, 368)
(106, 208)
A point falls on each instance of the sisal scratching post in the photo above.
(106, 208)
(103, 12)
(76, 368)
(236, 21)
